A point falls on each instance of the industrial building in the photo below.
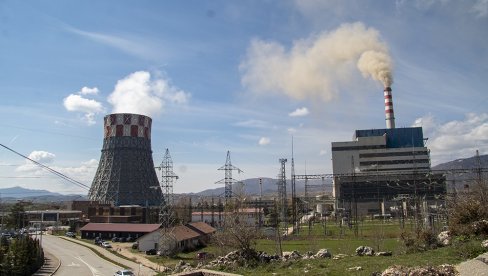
(380, 166)
(126, 174)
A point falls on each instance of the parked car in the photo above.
(135, 245)
(70, 234)
(115, 239)
(151, 252)
(124, 272)
(98, 241)
(130, 239)
(106, 244)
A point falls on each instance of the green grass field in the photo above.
(382, 236)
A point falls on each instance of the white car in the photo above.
(107, 245)
(124, 273)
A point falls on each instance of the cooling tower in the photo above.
(126, 174)
(389, 115)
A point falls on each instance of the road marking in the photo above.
(93, 270)
(73, 264)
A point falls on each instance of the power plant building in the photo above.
(383, 165)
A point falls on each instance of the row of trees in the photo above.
(20, 256)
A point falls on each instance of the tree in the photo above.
(16, 217)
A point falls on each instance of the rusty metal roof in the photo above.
(202, 227)
(121, 227)
(184, 233)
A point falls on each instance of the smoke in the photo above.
(317, 66)
(142, 94)
(376, 65)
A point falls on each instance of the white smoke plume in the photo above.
(315, 67)
(139, 93)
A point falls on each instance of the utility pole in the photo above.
(293, 192)
(282, 194)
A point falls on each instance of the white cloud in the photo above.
(456, 139)
(299, 112)
(139, 93)
(323, 152)
(39, 156)
(87, 91)
(77, 103)
(317, 66)
(264, 141)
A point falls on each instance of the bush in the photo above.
(423, 240)
(468, 214)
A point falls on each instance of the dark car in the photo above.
(130, 239)
(70, 234)
(151, 252)
(115, 239)
(122, 239)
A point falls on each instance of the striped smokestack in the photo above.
(389, 115)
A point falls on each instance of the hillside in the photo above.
(459, 180)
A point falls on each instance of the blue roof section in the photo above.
(396, 137)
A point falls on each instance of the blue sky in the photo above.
(243, 76)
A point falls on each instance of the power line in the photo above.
(61, 175)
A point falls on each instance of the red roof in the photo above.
(202, 227)
(121, 227)
(184, 233)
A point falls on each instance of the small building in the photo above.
(251, 216)
(110, 230)
(203, 229)
(45, 218)
(178, 238)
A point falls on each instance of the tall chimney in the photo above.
(389, 115)
(125, 174)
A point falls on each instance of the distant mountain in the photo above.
(16, 193)
(459, 180)
(269, 185)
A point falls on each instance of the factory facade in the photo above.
(384, 167)
(381, 166)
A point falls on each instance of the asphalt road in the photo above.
(77, 259)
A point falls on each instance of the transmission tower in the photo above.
(228, 180)
(167, 239)
(167, 178)
(282, 192)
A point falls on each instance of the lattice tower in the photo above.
(282, 192)
(228, 180)
(166, 215)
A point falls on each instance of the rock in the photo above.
(364, 251)
(340, 256)
(384, 253)
(398, 270)
(444, 237)
(323, 253)
(355, 268)
(484, 244)
(294, 255)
